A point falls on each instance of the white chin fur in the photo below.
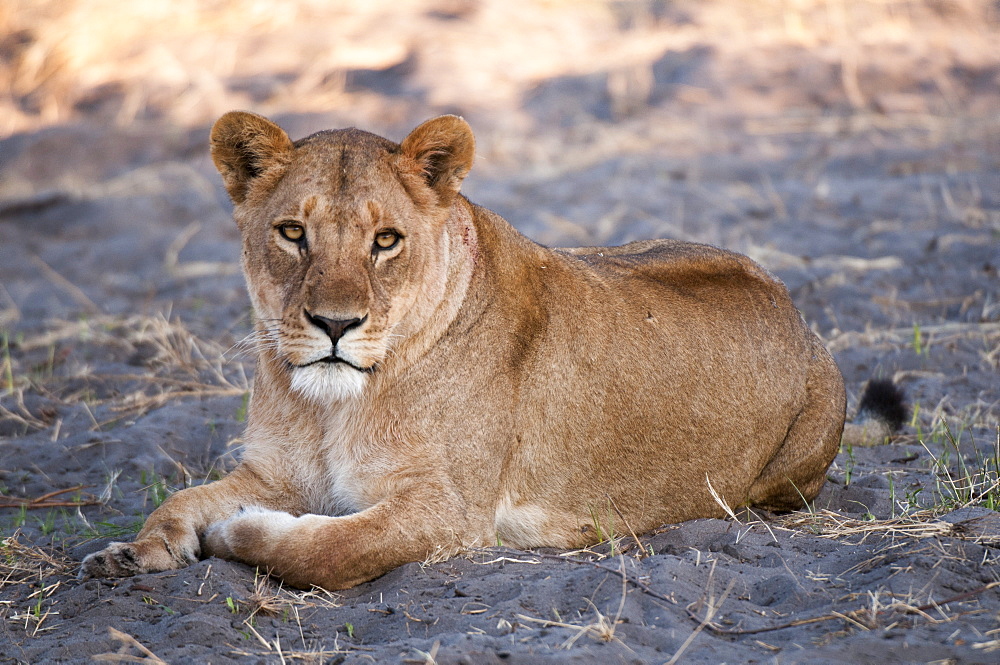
(328, 383)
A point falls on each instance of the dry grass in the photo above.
(21, 562)
(315, 655)
(899, 338)
(988, 646)
(830, 524)
(601, 629)
(883, 611)
(916, 525)
(268, 599)
(175, 364)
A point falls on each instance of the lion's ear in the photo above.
(443, 149)
(246, 148)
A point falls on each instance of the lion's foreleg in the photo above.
(339, 552)
(170, 538)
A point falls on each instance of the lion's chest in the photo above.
(356, 465)
(348, 482)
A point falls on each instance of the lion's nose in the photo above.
(334, 328)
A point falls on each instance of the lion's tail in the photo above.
(881, 413)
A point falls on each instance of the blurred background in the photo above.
(850, 146)
(537, 77)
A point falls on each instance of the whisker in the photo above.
(257, 340)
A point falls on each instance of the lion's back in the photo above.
(688, 271)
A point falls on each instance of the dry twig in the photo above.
(127, 641)
(47, 500)
(712, 606)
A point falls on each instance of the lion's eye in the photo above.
(386, 240)
(291, 231)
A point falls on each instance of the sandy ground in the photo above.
(852, 148)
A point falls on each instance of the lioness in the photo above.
(428, 378)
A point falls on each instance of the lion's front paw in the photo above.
(115, 560)
(147, 555)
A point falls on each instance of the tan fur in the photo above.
(496, 388)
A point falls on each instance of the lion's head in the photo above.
(344, 239)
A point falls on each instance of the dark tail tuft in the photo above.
(882, 400)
